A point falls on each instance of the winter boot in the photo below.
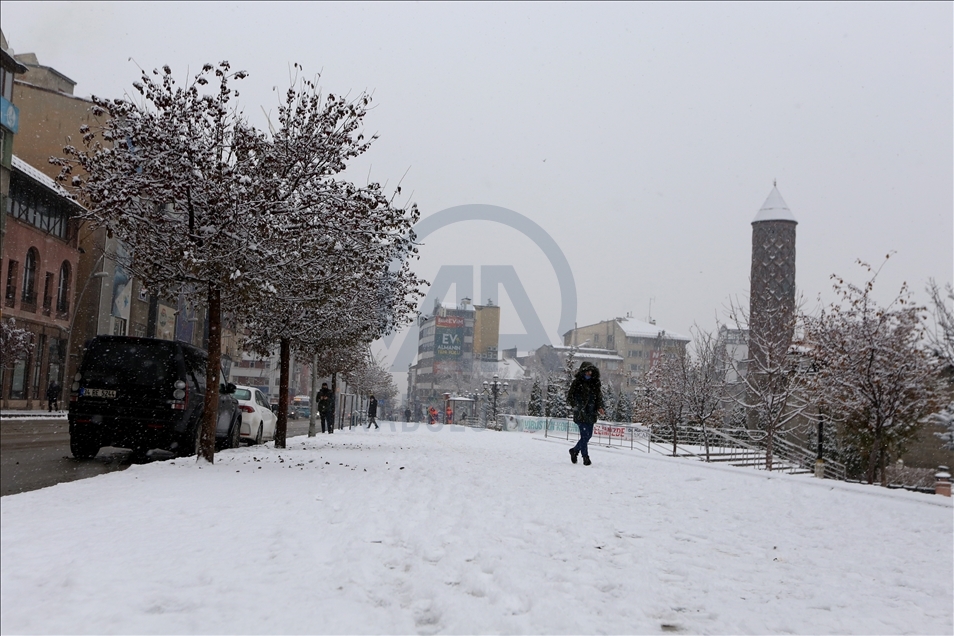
(573, 454)
(586, 460)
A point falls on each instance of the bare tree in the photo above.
(873, 376)
(177, 177)
(705, 383)
(345, 278)
(942, 343)
(663, 395)
(371, 377)
(15, 343)
(773, 380)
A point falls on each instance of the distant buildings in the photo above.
(445, 353)
(638, 345)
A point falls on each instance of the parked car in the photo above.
(144, 393)
(300, 407)
(258, 420)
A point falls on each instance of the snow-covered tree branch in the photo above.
(873, 376)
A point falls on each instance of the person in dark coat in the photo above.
(53, 396)
(407, 415)
(325, 406)
(373, 412)
(585, 397)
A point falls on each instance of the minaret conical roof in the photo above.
(774, 209)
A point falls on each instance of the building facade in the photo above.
(486, 331)
(445, 353)
(40, 259)
(639, 346)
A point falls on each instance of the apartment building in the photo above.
(638, 344)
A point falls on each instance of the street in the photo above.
(35, 453)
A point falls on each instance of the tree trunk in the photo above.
(210, 410)
(873, 458)
(675, 440)
(705, 440)
(769, 448)
(314, 395)
(281, 427)
(882, 467)
(334, 403)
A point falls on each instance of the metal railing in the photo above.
(738, 447)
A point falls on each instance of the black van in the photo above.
(144, 393)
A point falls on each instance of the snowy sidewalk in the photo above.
(467, 530)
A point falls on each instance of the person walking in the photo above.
(373, 412)
(585, 397)
(325, 407)
(53, 396)
(407, 415)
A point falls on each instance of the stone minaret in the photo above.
(772, 295)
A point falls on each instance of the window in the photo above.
(13, 272)
(18, 383)
(48, 293)
(39, 207)
(53, 370)
(63, 291)
(29, 279)
(119, 326)
(6, 84)
(41, 345)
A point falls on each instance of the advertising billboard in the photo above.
(448, 343)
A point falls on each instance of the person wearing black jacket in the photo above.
(585, 397)
(373, 412)
(325, 407)
(53, 396)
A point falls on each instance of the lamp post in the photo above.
(69, 334)
(494, 389)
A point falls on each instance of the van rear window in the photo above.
(141, 363)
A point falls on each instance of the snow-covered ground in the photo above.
(464, 530)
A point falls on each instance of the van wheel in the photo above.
(83, 447)
(260, 434)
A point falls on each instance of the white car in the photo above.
(258, 420)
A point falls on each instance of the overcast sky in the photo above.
(643, 138)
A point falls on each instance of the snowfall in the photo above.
(411, 529)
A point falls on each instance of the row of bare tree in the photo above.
(876, 372)
(259, 227)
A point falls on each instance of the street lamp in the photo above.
(69, 334)
(493, 389)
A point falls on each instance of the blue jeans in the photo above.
(586, 432)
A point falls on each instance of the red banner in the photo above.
(449, 321)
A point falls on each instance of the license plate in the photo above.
(100, 393)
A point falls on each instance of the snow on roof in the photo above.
(774, 209)
(39, 177)
(590, 353)
(638, 329)
(510, 369)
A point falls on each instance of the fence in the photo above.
(738, 447)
